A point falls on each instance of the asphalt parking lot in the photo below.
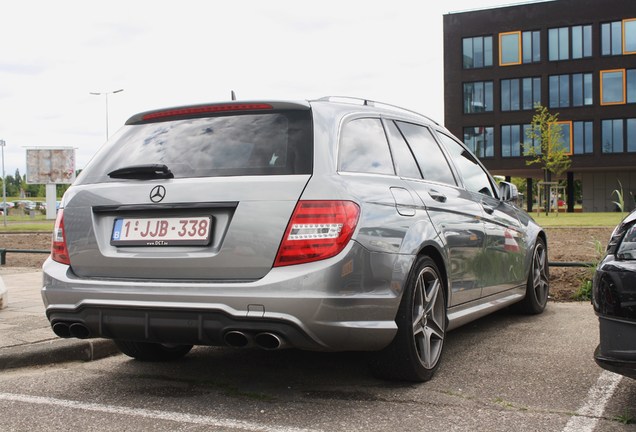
(504, 372)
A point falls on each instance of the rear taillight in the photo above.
(317, 230)
(59, 251)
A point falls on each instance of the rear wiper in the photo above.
(142, 172)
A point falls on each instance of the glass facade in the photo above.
(478, 97)
(531, 46)
(631, 135)
(511, 140)
(629, 36)
(613, 87)
(631, 85)
(477, 52)
(509, 48)
(480, 140)
(612, 136)
(520, 94)
(582, 137)
(612, 38)
(559, 44)
(581, 41)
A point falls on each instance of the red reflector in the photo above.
(208, 109)
(317, 230)
(59, 251)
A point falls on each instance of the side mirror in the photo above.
(508, 191)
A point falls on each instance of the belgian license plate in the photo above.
(169, 231)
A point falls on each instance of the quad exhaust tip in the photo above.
(73, 330)
(264, 340)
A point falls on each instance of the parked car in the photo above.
(327, 225)
(614, 301)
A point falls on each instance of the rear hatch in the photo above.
(199, 192)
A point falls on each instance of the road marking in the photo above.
(152, 414)
(589, 414)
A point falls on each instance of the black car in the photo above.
(614, 300)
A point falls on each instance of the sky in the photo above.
(163, 54)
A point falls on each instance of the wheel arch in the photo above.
(433, 253)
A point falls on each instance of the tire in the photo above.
(416, 350)
(152, 352)
(538, 284)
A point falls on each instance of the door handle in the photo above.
(437, 196)
(488, 209)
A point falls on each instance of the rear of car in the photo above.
(321, 225)
(189, 226)
(614, 301)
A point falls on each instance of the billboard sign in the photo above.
(50, 165)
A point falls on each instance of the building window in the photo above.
(581, 89)
(581, 41)
(612, 136)
(477, 52)
(566, 136)
(559, 44)
(511, 140)
(631, 135)
(530, 145)
(478, 97)
(480, 140)
(582, 137)
(629, 36)
(570, 90)
(613, 87)
(618, 135)
(559, 91)
(509, 48)
(531, 93)
(531, 46)
(618, 37)
(631, 85)
(520, 94)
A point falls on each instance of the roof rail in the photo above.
(369, 102)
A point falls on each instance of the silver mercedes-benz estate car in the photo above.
(328, 225)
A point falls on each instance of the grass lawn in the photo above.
(599, 219)
(39, 223)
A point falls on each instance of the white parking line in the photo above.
(152, 414)
(588, 415)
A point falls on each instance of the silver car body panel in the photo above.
(195, 294)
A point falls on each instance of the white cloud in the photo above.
(165, 53)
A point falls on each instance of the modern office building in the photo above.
(575, 57)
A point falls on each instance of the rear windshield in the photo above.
(275, 143)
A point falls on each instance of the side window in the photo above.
(404, 160)
(429, 156)
(364, 148)
(475, 178)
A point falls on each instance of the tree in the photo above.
(547, 147)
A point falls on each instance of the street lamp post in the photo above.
(106, 94)
(4, 186)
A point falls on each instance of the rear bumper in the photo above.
(344, 303)
(616, 351)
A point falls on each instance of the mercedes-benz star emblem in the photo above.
(157, 194)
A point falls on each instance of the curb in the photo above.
(56, 351)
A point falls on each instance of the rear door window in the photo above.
(364, 148)
(404, 160)
(226, 145)
(429, 156)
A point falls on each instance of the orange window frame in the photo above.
(627, 20)
(519, 54)
(624, 73)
